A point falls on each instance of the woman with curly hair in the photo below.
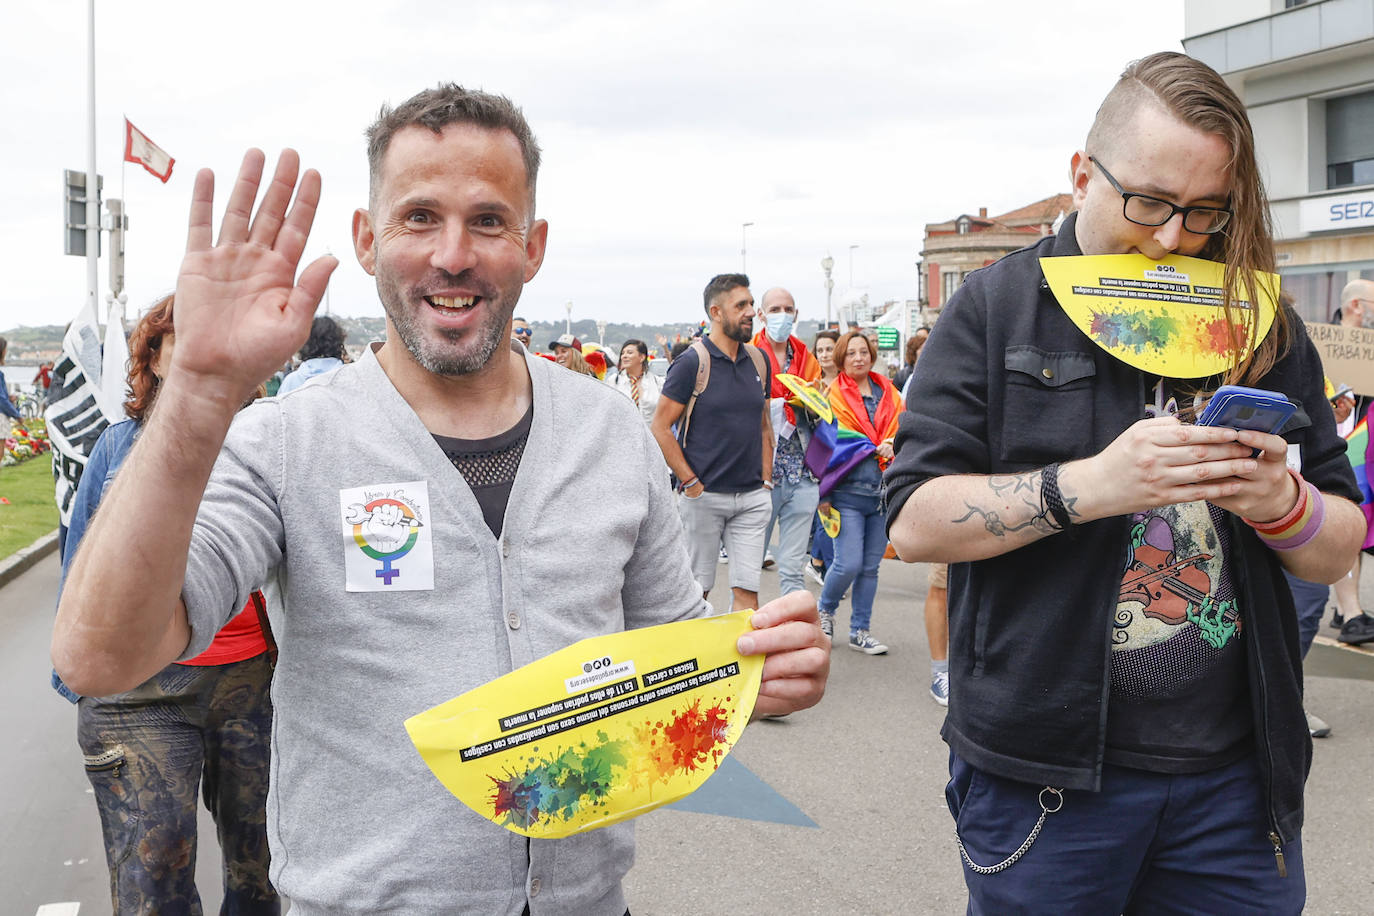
(200, 724)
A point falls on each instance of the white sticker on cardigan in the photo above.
(388, 541)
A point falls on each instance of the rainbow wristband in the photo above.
(1300, 525)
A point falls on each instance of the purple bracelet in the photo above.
(1308, 531)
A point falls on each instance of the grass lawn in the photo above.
(31, 512)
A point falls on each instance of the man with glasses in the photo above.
(521, 332)
(1106, 757)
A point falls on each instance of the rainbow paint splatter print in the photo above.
(606, 729)
(1163, 316)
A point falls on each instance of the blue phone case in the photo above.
(1247, 408)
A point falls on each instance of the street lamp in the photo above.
(851, 265)
(601, 330)
(743, 244)
(827, 263)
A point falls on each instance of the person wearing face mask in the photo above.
(794, 487)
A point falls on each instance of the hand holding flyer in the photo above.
(604, 730)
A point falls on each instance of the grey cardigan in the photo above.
(591, 545)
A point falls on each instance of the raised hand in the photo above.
(241, 312)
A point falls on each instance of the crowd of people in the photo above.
(1102, 761)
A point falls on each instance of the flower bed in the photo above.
(27, 439)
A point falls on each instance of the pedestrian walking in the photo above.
(199, 727)
(722, 452)
(866, 407)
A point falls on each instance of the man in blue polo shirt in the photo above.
(724, 456)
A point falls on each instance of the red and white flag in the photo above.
(138, 148)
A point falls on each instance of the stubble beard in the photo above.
(483, 342)
(738, 332)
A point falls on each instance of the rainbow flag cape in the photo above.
(839, 446)
(1357, 450)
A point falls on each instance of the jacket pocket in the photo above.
(1047, 405)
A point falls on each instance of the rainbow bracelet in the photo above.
(1300, 525)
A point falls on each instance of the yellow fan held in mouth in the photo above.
(830, 521)
(1162, 316)
(806, 396)
(606, 729)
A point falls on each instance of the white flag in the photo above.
(138, 148)
(79, 409)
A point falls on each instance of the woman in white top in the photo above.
(635, 380)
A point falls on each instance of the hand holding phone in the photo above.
(1247, 408)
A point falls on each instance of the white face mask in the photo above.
(780, 325)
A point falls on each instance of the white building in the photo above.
(1305, 71)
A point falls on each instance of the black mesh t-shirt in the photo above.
(489, 466)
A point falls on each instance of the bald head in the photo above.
(1357, 304)
(779, 299)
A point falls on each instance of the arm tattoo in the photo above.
(1020, 503)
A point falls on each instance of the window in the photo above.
(1350, 140)
(949, 282)
(963, 225)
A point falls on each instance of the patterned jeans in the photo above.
(147, 751)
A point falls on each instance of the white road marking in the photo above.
(59, 909)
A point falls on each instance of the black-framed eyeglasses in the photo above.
(1144, 210)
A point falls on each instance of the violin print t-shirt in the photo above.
(1179, 700)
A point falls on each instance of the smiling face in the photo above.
(1159, 155)
(452, 242)
(631, 360)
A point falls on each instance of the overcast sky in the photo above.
(664, 125)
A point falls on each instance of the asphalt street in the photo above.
(838, 809)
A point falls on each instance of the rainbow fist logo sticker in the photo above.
(387, 544)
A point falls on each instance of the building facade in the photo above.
(953, 249)
(1305, 71)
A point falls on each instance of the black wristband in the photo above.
(1052, 498)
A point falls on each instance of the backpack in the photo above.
(704, 378)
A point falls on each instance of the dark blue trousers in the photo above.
(1309, 598)
(1146, 844)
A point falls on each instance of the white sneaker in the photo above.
(1316, 727)
(814, 573)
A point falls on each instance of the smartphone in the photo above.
(1247, 408)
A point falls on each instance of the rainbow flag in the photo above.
(1357, 450)
(841, 445)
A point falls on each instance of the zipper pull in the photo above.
(1278, 855)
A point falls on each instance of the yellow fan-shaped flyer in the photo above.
(1162, 316)
(807, 396)
(604, 730)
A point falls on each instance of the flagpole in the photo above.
(92, 177)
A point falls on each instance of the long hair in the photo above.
(144, 345)
(1197, 95)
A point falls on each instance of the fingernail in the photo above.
(745, 645)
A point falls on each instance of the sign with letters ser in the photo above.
(606, 729)
(1347, 355)
(1344, 211)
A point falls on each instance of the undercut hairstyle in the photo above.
(437, 108)
(721, 284)
(1196, 94)
(842, 348)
